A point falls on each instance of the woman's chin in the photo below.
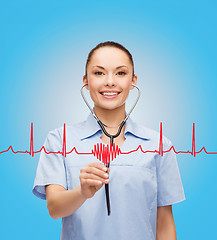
(109, 107)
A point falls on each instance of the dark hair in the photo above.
(108, 44)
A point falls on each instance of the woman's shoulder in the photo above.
(68, 129)
(150, 134)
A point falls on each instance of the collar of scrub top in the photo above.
(92, 127)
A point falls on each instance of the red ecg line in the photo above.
(107, 153)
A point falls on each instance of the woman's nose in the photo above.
(110, 80)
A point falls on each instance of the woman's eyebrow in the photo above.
(116, 67)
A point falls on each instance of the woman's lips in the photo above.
(109, 94)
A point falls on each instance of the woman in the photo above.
(142, 187)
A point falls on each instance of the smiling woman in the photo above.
(143, 187)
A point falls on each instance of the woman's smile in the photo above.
(109, 94)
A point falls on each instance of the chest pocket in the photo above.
(133, 180)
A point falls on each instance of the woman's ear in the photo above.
(134, 81)
(85, 81)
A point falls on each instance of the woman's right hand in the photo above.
(92, 177)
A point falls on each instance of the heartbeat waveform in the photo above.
(107, 153)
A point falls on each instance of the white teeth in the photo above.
(109, 93)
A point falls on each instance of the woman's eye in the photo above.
(98, 73)
(121, 73)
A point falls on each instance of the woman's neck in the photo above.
(111, 117)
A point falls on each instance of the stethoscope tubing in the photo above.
(101, 124)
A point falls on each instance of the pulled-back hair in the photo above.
(108, 44)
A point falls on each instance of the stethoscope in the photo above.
(101, 124)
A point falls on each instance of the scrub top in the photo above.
(139, 182)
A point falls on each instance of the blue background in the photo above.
(43, 51)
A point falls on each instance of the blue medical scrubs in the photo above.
(139, 182)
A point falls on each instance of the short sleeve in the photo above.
(169, 185)
(51, 166)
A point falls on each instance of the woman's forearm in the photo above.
(64, 203)
(168, 232)
(166, 229)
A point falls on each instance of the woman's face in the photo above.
(109, 77)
